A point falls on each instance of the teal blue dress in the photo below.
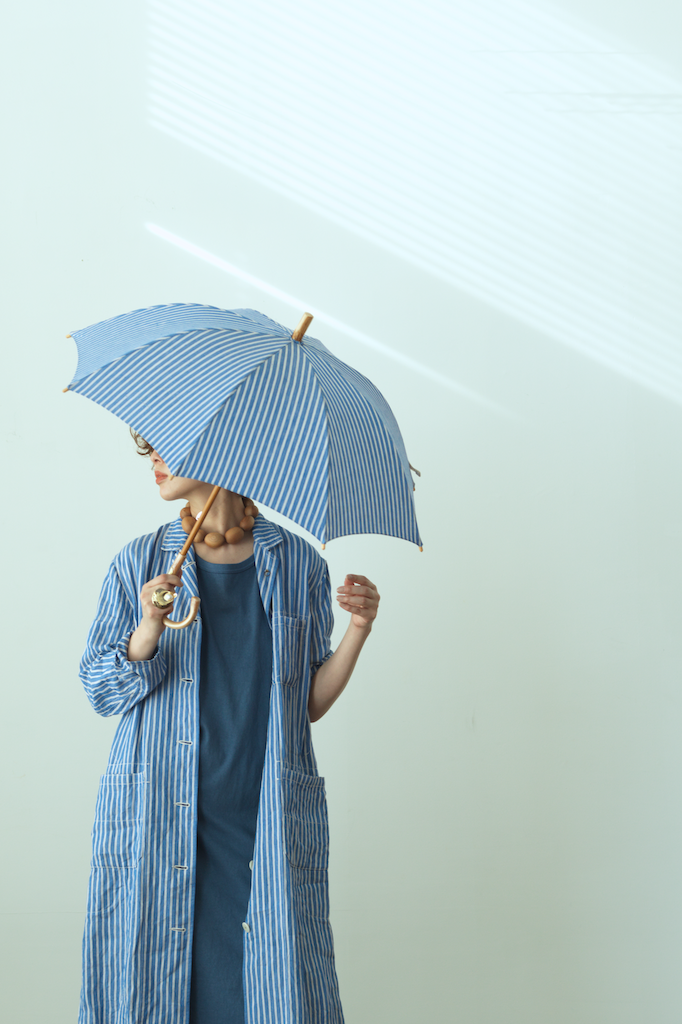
(234, 696)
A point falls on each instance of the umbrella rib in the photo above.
(236, 401)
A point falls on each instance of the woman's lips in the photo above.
(160, 477)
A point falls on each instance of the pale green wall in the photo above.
(504, 771)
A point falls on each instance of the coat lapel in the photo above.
(266, 540)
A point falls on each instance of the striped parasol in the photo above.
(231, 398)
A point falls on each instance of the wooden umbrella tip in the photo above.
(68, 335)
(303, 325)
(421, 549)
(64, 390)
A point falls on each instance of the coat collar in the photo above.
(266, 538)
(265, 535)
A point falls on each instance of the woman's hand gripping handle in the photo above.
(143, 642)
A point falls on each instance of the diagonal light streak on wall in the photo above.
(475, 142)
(177, 73)
(300, 306)
(301, 114)
(193, 97)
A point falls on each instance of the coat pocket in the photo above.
(290, 646)
(119, 814)
(107, 888)
(306, 824)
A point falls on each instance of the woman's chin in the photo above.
(168, 492)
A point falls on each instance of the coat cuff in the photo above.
(314, 665)
(147, 674)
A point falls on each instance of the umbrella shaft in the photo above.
(195, 529)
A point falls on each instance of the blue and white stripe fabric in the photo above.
(138, 935)
(228, 397)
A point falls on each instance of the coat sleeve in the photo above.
(112, 683)
(321, 621)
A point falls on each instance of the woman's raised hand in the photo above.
(149, 609)
(360, 597)
(142, 643)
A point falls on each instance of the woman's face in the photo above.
(172, 487)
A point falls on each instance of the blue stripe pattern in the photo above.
(228, 397)
(138, 936)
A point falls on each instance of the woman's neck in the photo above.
(226, 511)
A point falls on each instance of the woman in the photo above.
(208, 892)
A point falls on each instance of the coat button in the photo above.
(267, 572)
(245, 926)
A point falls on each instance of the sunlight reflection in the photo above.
(480, 143)
(300, 305)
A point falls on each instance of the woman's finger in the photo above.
(164, 580)
(359, 601)
(365, 613)
(362, 580)
(364, 591)
(175, 580)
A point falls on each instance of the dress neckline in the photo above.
(225, 567)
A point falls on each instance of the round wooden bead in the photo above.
(247, 523)
(187, 523)
(200, 534)
(234, 535)
(186, 511)
(214, 540)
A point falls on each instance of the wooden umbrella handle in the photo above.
(194, 531)
(188, 619)
(195, 601)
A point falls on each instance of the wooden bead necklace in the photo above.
(214, 539)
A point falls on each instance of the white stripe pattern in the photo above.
(228, 397)
(138, 935)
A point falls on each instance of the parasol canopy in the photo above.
(234, 399)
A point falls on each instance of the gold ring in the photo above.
(162, 597)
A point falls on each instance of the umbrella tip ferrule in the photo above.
(64, 390)
(303, 325)
(421, 548)
(68, 335)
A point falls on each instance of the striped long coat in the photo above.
(138, 934)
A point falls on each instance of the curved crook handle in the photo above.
(188, 619)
